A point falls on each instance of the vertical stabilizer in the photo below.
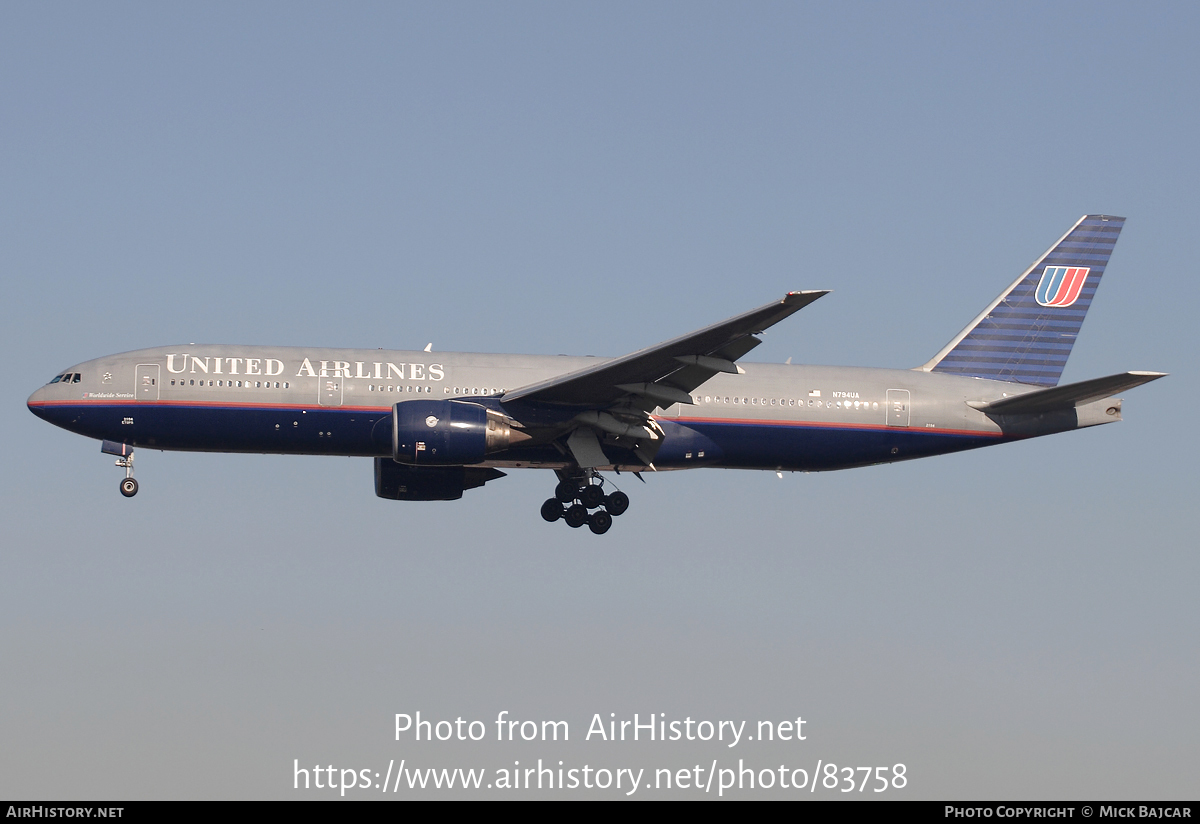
(1026, 334)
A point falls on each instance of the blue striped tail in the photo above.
(1026, 334)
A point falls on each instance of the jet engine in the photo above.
(448, 433)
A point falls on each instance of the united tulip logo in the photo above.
(1060, 285)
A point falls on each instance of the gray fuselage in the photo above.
(224, 398)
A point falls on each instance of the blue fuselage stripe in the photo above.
(366, 431)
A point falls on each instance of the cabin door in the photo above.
(898, 407)
(330, 391)
(146, 381)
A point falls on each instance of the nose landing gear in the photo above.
(124, 453)
(580, 500)
(129, 486)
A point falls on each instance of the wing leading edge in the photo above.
(666, 373)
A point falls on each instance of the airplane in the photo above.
(438, 424)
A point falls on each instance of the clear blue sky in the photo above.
(589, 179)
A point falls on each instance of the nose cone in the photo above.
(36, 403)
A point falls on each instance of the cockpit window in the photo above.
(75, 378)
(57, 378)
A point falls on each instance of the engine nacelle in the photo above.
(433, 483)
(448, 433)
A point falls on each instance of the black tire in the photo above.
(616, 503)
(576, 516)
(599, 522)
(552, 510)
(591, 496)
(129, 487)
(566, 491)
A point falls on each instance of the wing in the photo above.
(665, 374)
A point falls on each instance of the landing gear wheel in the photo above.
(591, 496)
(616, 503)
(129, 487)
(552, 510)
(566, 491)
(576, 516)
(599, 522)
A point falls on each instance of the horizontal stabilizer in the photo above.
(1067, 397)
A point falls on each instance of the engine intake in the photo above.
(448, 433)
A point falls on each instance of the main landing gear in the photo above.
(575, 496)
(129, 484)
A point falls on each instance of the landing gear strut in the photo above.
(129, 484)
(580, 499)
